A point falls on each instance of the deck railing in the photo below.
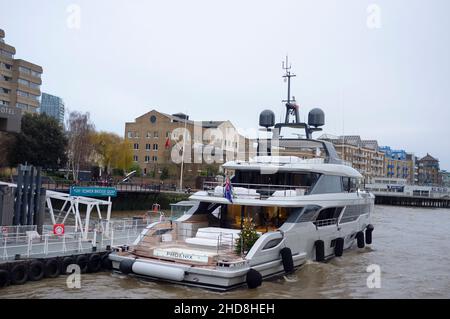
(326, 222)
(255, 191)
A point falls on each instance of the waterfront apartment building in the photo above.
(428, 171)
(399, 164)
(53, 106)
(154, 135)
(20, 80)
(363, 155)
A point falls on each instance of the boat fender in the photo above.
(65, 263)
(360, 239)
(36, 270)
(51, 268)
(106, 262)
(158, 271)
(94, 263)
(19, 274)
(82, 262)
(253, 279)
(369, 231)
(126, 266)
(339, 247)
(320, 250)
(286, 258)
(4, 278)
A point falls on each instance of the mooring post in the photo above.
(17, 206)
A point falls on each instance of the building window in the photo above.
(22, 106)
(136, 134)
(148, 147)
(24, 70)
(155, 134)
(6, 54)
(147, 158)
(34, 86)
(135, 158)
(155, 147)
(153, 119)
(136, 146)
(36, 74)
(155, 158)
(23, 82)
(148, 135)
(130, 134)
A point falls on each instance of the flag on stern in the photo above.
(228, 190)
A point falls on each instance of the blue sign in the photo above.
(93, 191)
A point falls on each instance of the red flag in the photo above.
(168, 143)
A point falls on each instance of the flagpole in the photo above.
(182, 156)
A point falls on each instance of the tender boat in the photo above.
(294, 201)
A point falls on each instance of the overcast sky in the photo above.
(387, 79)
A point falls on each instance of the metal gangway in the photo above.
(71, 208)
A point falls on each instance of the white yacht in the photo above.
(294, 201)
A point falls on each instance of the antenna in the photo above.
(291, 107)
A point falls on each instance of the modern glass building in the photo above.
(53, 106)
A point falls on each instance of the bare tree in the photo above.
(79, 131)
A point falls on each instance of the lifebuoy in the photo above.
(19, 274)
(36, 270)
(320, 250)
(360, 239)
(4, 278)
(369, 231)
(253, 279)
(287, 260)
(94, 263)
(106, 262)
(339, 247)
(82, 262)
(65, 263)
(51, 268)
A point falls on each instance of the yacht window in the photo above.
(352, 212)
(309, 214)
(329, 213)
(350, 184)
(280, 178)
(328, 184)
(272, 243)
(264, 218)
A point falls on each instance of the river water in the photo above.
(411, 246)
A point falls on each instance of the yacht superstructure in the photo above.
(295, 198)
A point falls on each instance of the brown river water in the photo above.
(411, 246)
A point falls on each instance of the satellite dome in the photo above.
(267, 118)
(316, 117)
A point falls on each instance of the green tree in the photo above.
(41, 143)
(111, 151)
(164, 174)
(137, 168)
(247, 237)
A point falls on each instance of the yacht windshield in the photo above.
(299, 179)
